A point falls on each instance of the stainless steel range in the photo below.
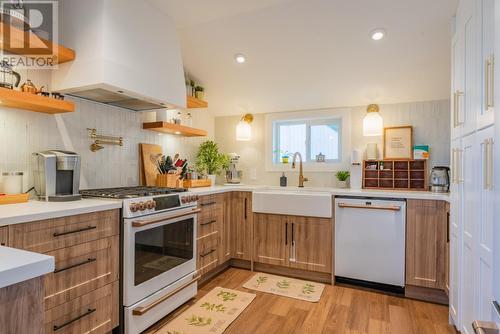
(159, 251)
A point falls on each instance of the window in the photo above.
(309, 137)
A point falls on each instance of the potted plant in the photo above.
(199, 92)
(210, 161)
(342, 178)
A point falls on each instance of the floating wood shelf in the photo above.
(176, 129)
(193, 102)
(396, 174)
(16, 99)
(17, 38)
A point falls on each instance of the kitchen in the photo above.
(210, 167)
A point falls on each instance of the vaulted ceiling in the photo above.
(306, 54)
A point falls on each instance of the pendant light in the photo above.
(244, 129)
(373, 124)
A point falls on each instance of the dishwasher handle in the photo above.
(370, 207)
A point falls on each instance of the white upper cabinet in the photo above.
(125, 47)
(486, 8)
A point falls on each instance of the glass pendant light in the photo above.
(373, 124)
(244, 129)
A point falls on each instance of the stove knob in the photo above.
(196, 197)
(142, 206)
(183, 200)
(133, 207)
(149, 205)
(153, 202)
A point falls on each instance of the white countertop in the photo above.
(38, 210)
(19, 265)
(425, 195)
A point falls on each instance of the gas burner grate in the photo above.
(129, 192)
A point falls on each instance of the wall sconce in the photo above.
(244, 129)
(373, 124)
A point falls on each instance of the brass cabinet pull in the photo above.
(89, 260)
(483, 327)
(371, 207)
(141, 223)
(89, 311)
(58, 234)
(143, 309)
(208, 223)
(208, 253)
(209, 203)
(489, 82)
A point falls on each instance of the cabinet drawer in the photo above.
(207, 223)
(81, 269)
(207, 254)
(207, 201)
(47, 235)
(4, 235)
(95, 312)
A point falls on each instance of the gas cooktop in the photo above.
(129, 192)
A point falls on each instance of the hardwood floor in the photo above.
(340, 310)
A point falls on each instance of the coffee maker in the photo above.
(233, 176)
(57, 175)
(440, 179)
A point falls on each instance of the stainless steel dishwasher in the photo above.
(370, 242)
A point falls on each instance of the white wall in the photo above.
(24, 132)
(430, 121)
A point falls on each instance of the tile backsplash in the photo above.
(23, 132)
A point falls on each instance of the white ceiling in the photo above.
(305, 54)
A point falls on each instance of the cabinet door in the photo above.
(311, 247)
(223, 214)
(4, 235)
(456, 190)
(426, 243)
(484, 225)
(469, 179)
(241, 225)
(271, 239)
(486, 69)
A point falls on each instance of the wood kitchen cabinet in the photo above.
(4, 235)
(241, 225)
(81, 295)
(311, 243)
(426, 240)
(293, 241)
(271, 239)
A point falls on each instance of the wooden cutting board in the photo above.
(149, 171)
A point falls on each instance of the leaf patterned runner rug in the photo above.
(284, 286)
(212, 314)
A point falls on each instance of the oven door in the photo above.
(159, 249)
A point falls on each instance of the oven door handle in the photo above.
(143, 309)
(141, 223)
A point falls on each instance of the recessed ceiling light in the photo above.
(177, 132)
(377, 34)
(240, 59)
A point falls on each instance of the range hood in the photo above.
(127, 55)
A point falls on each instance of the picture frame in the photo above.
(398, 143)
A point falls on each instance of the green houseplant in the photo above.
(210, 161)
(342, 178)
(199, 92)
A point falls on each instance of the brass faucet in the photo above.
(302, 179)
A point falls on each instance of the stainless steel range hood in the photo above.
(127, 55)
(118, 99)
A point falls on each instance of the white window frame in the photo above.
(310, 117)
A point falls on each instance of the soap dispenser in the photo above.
(283, 180)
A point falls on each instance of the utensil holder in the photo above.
(168, 181)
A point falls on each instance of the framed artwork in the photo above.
(398, 143)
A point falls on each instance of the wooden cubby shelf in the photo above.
(17, 37)
(396, 174)
(176, 129)
(19, 100)
(193, 102)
